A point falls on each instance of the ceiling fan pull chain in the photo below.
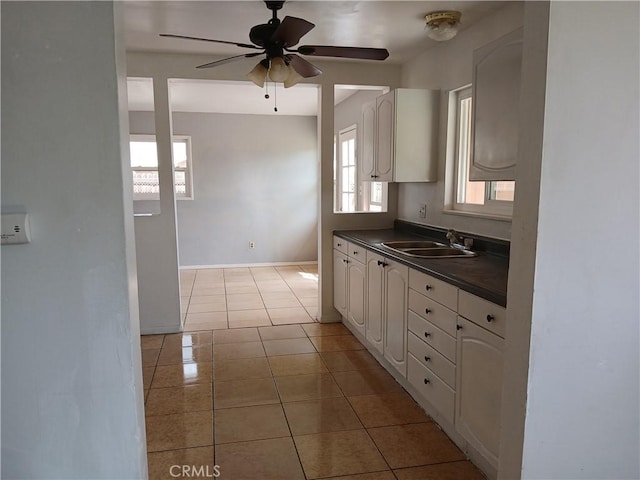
(266, 89)
(275, 97)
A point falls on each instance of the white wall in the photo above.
(448, 66)
(582, 418)
(255, 179)
(72, 401)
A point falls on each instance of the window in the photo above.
(144, 167)
(485, 198)
(347, 170)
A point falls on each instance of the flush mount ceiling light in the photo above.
(442, 26)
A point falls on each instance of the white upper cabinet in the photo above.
(399, 137)
(496, 98)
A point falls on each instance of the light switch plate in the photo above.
(15, 229)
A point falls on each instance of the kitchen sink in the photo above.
(428, 249)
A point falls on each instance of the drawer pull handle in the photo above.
(382, 264)
(458, 327)
(339, 244)
(427, 334)
(428, 287)
(427, 359)
(426, 381)
(427, 311)
(355, 253)
(345, 261)
(490, 318)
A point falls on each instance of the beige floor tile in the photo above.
(241, 369)
(414, 445)
(302, 364)
(312, 312)
(210, 321)
(304, 292)
(271, 286)
(281, 331)
(191, 339)
(147, 376)
(232, 272)
(241, 288)
(464, 470)
(206, 299)
(244, 321)
(321, 415)
(349, 360)
(287, 302)
(245, 393)
(151, 342)
(388, 409)
(209, 289)
(297, 388)
(165, 401)
(288, 346)
(249, 318)
(230, 351)
(207, 308)
(250, 423)
(311, 301)
(245, 301)
(338, 453)
(238, 335)
(273, 459)
(284, 316)
(205, 326)
(386, 475)
(366, 382)
(336, 343)
(182, 375)
(325, 329)
(176, 355)
(184, 430)
(150, 357)
(160, 463)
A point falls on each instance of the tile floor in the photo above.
(267, 401)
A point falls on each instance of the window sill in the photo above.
(487, 216)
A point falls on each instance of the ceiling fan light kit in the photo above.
(442, 26)
(275, 39)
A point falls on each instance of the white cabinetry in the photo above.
(399, 137)
(496, 96)
(349, 282)
(432, 341)
(387, 296)
(479, 374)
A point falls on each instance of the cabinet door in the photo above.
(496, 96)
(395, 325)
(375, 300)
(479, 388)
(368, 141)
(385, 111)
(356, 306)
(340, 263)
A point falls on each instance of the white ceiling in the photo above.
(395, 25)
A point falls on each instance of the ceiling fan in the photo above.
(275, 40)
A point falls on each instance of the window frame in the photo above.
(135, 137)
(458, 178)
(352, 133)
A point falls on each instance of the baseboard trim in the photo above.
(247, 265)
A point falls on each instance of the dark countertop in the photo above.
(484, 275)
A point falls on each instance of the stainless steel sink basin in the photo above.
(413, 244)
(444, 252)
(428, 249)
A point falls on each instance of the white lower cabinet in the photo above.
(480, 360)
(395, 315)
(356, 297)
(340, 262)
(374, 326)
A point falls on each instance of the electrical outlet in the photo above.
(252, 244)
(422, 213)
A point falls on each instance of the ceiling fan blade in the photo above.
(243, 45)
(291, 30)
(345, 52)
(229, 59)
(304, 68)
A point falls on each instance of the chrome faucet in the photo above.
(453, 237)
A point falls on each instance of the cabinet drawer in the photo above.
(432, 388)
(357, 252)
(433, 288)
(428, 332)
(340, 244)
(430, 310)
(432, 359)
(482, 312)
